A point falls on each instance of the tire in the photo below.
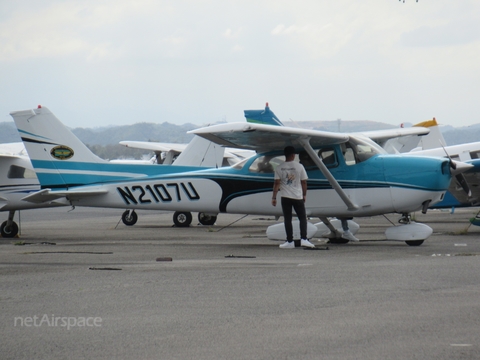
(10, 231)
(129, 218)
(182, 219)
(206, 219)
(414, 242)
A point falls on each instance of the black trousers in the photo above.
(299, 207)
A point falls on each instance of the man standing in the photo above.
(291, 180)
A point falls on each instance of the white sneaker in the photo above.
(347, 235)
(287, 245)
(306, 243)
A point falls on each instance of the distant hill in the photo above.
(8, 132)
(167, 132)
(164, 132)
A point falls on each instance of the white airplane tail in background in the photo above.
(434, 139)
(201, 152)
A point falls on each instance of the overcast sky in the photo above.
(117, 62)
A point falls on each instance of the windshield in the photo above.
(359, 149)
(367, 145)
(239, 165)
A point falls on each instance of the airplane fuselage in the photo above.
(381, 184)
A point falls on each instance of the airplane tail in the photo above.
(434, 139)
(266, 117)
(201, 152)
(57, 155)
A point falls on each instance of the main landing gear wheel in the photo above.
(182, 219)
(414, 242)
(129, 218)
(9, 231)
(206, 219)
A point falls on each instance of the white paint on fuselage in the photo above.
(194, 194)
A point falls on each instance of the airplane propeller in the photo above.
(458, 168)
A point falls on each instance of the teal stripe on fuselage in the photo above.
(69, 173)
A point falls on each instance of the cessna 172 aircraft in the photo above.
(349, 176)
(20, 180)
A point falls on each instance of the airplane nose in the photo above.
(457, 170)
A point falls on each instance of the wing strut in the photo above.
(305, 142)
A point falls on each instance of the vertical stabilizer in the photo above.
(266, 117)
(434, 139)
(201, 152)
(54, 150)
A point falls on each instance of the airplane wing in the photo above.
(47, 195)
(261, 137)
(16, 148)
(154, 146)
(11, 156)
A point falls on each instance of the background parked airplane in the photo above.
(17, 180)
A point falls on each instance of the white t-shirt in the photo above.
(291, 173)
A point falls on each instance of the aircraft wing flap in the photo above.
(48, 195)
(261, 137)
(381, 136)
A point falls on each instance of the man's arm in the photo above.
(276, 187)
(304, 189)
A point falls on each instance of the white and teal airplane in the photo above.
(349, 175)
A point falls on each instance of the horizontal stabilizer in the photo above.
(47, 195)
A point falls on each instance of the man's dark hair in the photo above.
(289, 150)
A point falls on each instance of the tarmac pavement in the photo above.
(82, 285)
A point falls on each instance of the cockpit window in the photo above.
(19, 172)
(266, 164)
(327, 155)
(475, 155)
(349, 154)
